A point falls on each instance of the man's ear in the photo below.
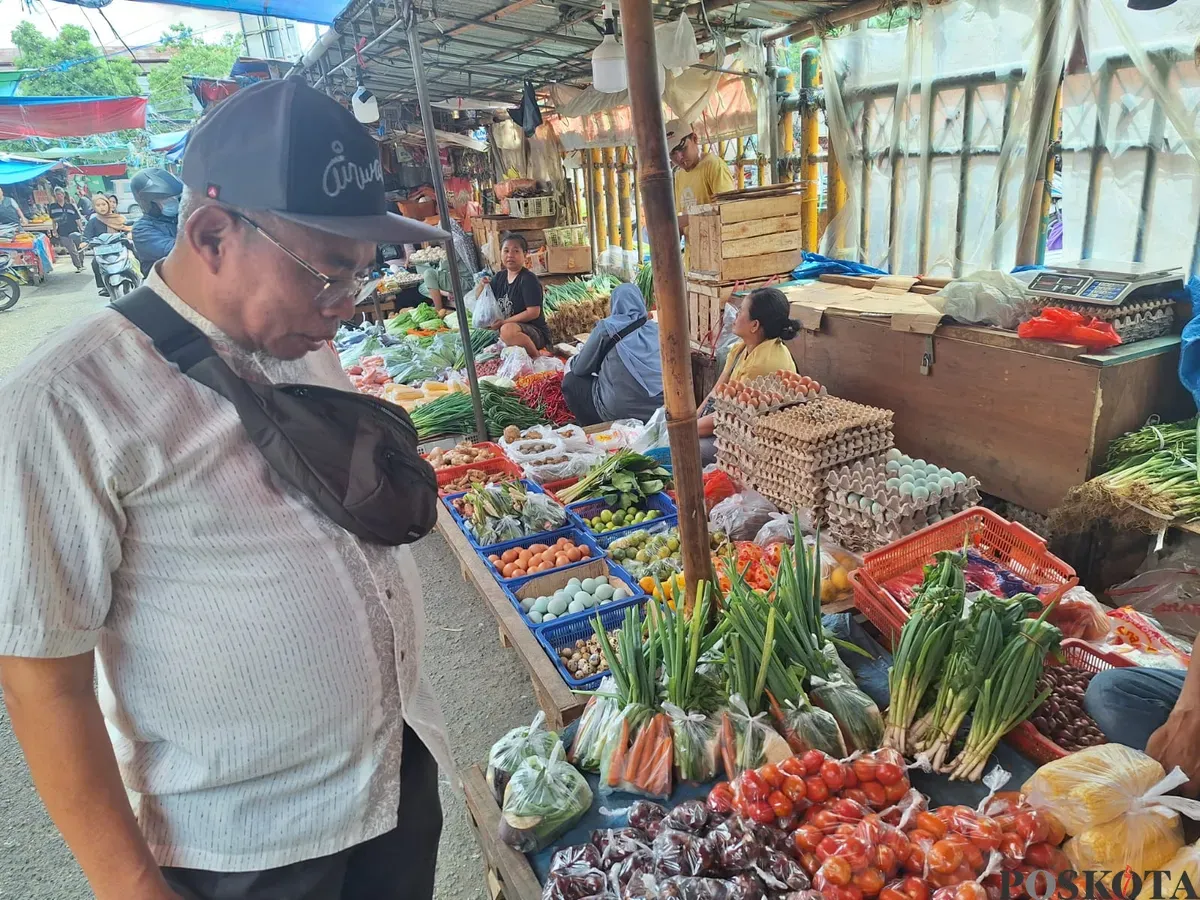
(210, 232)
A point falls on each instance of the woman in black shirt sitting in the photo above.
(519, 294)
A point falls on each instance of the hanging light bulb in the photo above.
(608, 59)
(366, 107)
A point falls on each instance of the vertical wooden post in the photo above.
(641, 61)
(1044, 81)
(1055, 128)
(637, 207)
(610, 198)
(623, 198)
(589, 185)
(740, 165)
(810, 146)
(598, 202)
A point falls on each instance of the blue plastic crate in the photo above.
(530, 487)
(574, 534)
(590, 508)
(521, 587)
(661, 455)
(564, 633)
(609, 537)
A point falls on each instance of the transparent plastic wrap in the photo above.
(564, 465)
(741, 516)
(778, 529)
(637, 755)
(807, 727)
(507, 754)
(857, 714)
(747, 741)
(1138, 840)
(574, 438)
(694, 742)
(575, 883)
(595, 725)
(1094, 785)
(683, 853)
(618, 844)
(683, 887)
(544, 799)
(1186, 861)
(487, 312)
(514, 362)
(499, 531)
(541, 514)
(529, 449)
(1079, 614)
(655, 433)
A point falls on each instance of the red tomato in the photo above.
(1055, 832)
(895, 792)
(823, 820)
(1012, 846)
(781, 805)
(855, 852)
(848, 774)
(1032, 826)
(832, 775)
(886, 860)
(771, 775)
(793, 765)
(836, 871)
(848, 810)
(753, 787)
(915, 888)
(813, 760)
(972, 858)
(864, 769)
(1007, 822)
(914, 863)
(921, 838)
(870, 881)
(720, 798)
(876, 794)
(849, 892)
(829, 846)
(806, 838)
(816, 789)
(927, 821)
(760, 811)
(858, 795)
(809, 862)
(986, 834)
(970, 890)
(892, 893)
(1040, 855)
(794, 789)
(888, 773)
(944, 857)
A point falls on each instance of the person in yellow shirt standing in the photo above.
(699, 177)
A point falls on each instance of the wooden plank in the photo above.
(516, 875)
(760, 190)
(758, 246)
(1124, 353)
(748, 267)
(756, 227)
(1133, 391)
(555, 698)
(759, 208)
(996, 337)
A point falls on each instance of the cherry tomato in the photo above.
(850, 778)
(1012, 846)
(886, 860)
(895, 792)
(1007, 822)
(857, 795)
(855, 852)
(927, 821)
(1040, 855)
(876, 794)
(836, 871)
(915, 861)
(794, 788)
(1055, 832)
(830, 845)
(972, 858)
(849, 892)
(720, 798)
(892, 893)
(848, 810)
(870, 881)
(760, 811)
(864, 769)
(986, 834)
(753, 787)
(823, 820)
(944, 857)
(970, 890)
(1032, 826)
(806, 838)
(781, 805)
(888, 773)
(915, 888)
(793, 765)
(832, 775)
(813, 760)
(771, 775)
(809, 862)
(816, 789)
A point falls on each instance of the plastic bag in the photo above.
(986, 297)
(682, 853)
(1138, 840)
(1058, 324)
(617, 844)
(514, 363)
(548, 364)
(1078, 614)
(741, 516)
(510, 751)
(675, 43)
(557, 467)
(541, 514)
(639, 756)
(575, 439)
(574, 883)
(857, 714)
(544, 799)
(1131, 630)
(529, 449)
(806, 727)
(654, 435)
(725, 338)
(1186, 861)
(694, 741)
(777, 530)
(745, 741)
(500, 531)
(1170, 594)
(601, 711)
(486, 312)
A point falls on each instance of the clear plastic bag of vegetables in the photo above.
(497, 531)
(747, 741)
(541, 514)
(507, 754)
(1140, 840)
(595, 727)
(544, 799)
(639, 757)
(806, 727)
(857, 714)
(694, 740)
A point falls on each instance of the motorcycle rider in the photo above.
(105, 220)
(157, 192)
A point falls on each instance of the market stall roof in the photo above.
(319, 11)
(23, 117)
(15, 169)
(487, 49)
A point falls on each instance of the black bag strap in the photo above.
(620, 336)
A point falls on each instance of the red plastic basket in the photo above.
(490, 466)
(551, 487)
(1032, 743)
(497, 453)
(883, 612)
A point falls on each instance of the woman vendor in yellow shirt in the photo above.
(763, 324)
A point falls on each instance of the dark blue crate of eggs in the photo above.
(546, 584)
(559, 634)
(485, 549)
(580, 538)
(589, 509)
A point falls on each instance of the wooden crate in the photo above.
(736, 240)
(706, 305)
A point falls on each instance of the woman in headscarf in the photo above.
(603, 385)
(105, 219)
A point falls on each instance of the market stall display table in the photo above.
(37, 257)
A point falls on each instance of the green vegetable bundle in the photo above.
(622, 479)
(454, 413)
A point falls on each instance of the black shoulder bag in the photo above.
(354, 456)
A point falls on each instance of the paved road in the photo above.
(483, 688)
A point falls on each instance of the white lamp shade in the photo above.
(608, 66)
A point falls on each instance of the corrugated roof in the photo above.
(486, 48)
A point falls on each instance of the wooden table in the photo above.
(507, 872)
(1030, 419)
(553, 696)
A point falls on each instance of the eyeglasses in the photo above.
(333, 290)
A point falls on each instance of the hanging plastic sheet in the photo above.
(22, 117)
(921, 115)
(1131, 183)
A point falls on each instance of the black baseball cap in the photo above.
(285, 147)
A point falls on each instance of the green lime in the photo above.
(673, 543)
(642, 556)
(606, 516)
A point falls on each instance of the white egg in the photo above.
(549, 617)
(535, 617)
(576, 607)
(621, 594)
(603, 592)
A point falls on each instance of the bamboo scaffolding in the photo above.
(612, 216)
(623, 198)
(601, 227)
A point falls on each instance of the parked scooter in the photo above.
(114, 255)
(10, 284)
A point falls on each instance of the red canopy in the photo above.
(22, 117)
(112, 170)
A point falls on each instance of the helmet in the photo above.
(157, 186)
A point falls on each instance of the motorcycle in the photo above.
(114, 256)
(10, 284)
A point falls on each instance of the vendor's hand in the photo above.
(444, 312)
(1177, 743)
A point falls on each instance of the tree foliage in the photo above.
(169, 94)
(97, 77)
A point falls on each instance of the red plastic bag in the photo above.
(1058, 324)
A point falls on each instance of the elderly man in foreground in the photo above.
(263, 727)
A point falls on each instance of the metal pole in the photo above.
(641, 61)
(439, 188)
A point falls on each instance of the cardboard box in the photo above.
(569, 260)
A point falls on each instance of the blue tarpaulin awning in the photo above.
(14, 171)
(320, 12)
(167, 140)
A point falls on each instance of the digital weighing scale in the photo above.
(1105, 284)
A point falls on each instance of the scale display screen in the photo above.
(1059, 284)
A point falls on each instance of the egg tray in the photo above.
(739, 411)
(823, 419)
(859, 531)
(1132, 321)
(790, 458)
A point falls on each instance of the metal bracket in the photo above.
(927, 356)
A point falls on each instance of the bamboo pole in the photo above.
(638, 214)
(624, 200)
(610, 198)
(601, 230)
(810, 146)
(641, 61)
(741, 163)
(1044, 81)
(589, 185)
(1055, 129)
